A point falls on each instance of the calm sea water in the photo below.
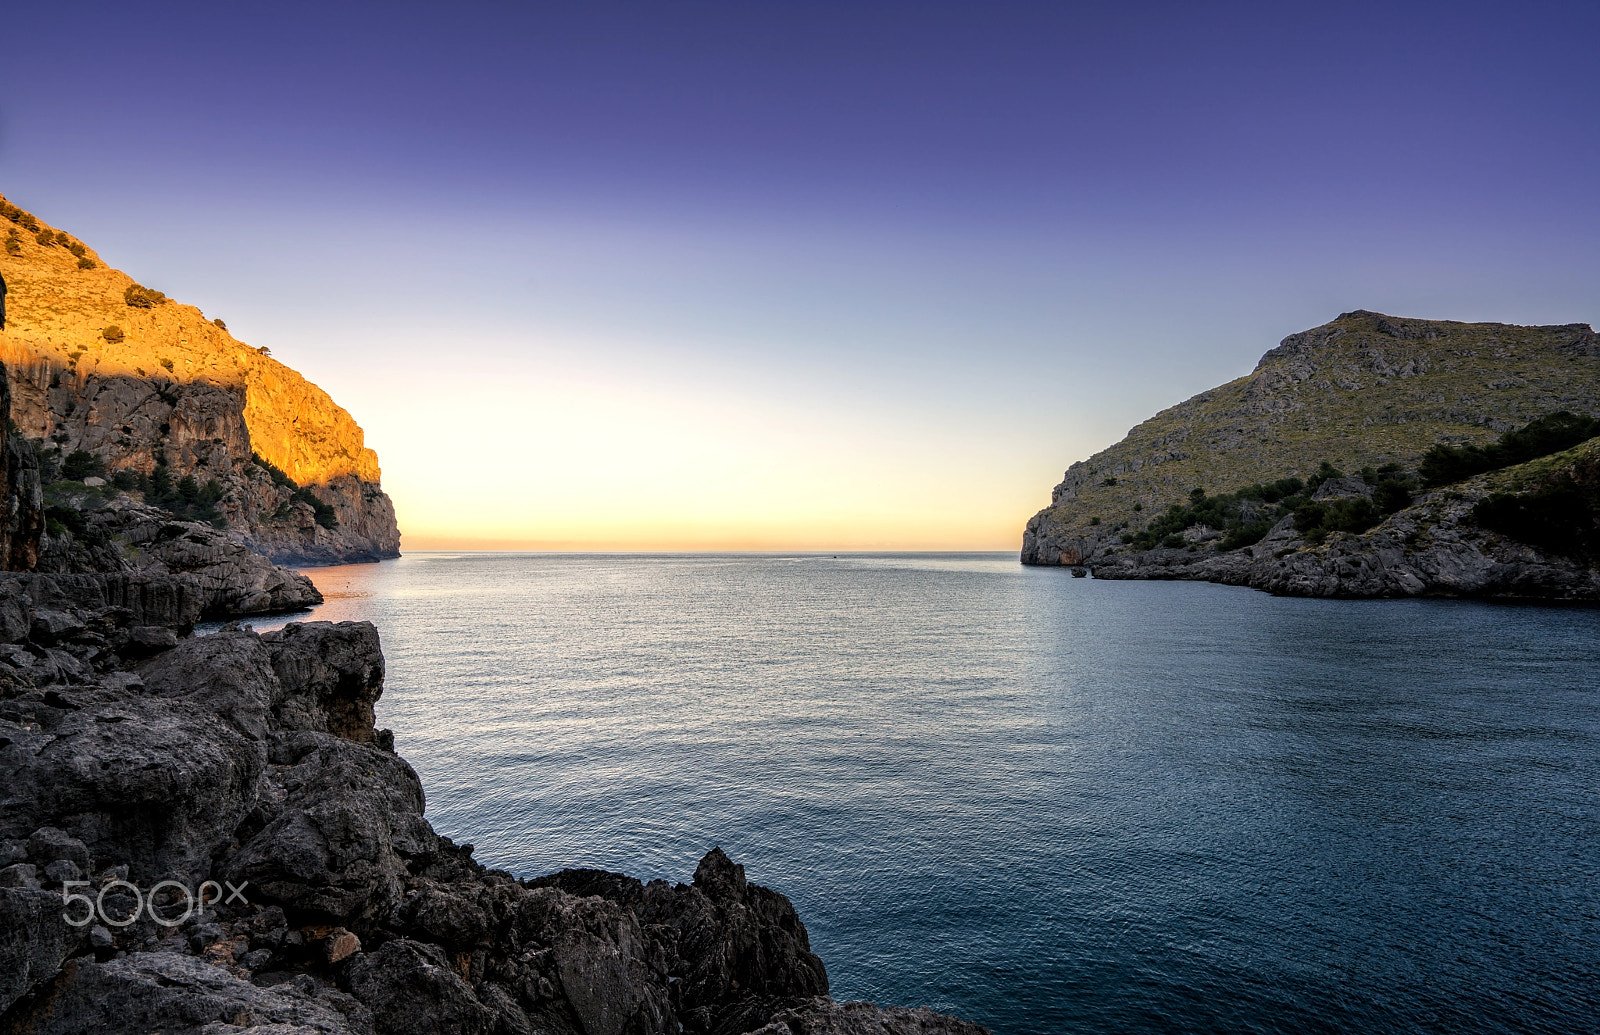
(1043, 803)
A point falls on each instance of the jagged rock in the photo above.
(331, 675)
(335, 848)
(823, 1016)
(21, 494)
(169, 993)
(157, 784)
(34, 940)
(410, 988)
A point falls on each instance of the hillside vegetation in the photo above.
(1366, 392)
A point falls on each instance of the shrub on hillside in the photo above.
(75, 248)
(167, 363)
(281, 480)
(86, 263)
(220, 324)
(1444, 464)
(1559, 518)
(325, 515)
(46, 238)
(13, 245)
(80, 464)
(185, 498)
(113, 334)
(138, 296)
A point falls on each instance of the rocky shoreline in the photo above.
(144, 769)
(1432, 548)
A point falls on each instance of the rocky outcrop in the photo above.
(1435, 547)
(251, 760)
(1362, 391)
(138, 383)
(219, 571)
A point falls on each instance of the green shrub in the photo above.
(113, 334)
(46, 238)
(1138, 507)
(185, 499)
(1094, 520)
(65, 518)
(1174, 542)
(279, 479)
(85, 263)
(1325, 473)
(138, 296)
(1559, 518)
(1109, 481)
(1241, 535)
(325, 514)
(13, 245)
(1443, 465)
(220, 324)
(80, 464)
(75, 248)
(1391, 495)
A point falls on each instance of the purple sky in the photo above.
(1021, 226)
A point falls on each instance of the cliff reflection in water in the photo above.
(1037, 802)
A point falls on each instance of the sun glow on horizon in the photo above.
(547, 456)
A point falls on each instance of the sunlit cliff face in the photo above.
(65, 316)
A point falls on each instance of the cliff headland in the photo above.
(138, 385)
(1374, 456)
(209, 835)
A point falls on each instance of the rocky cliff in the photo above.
(100, 364)
(1364, 392)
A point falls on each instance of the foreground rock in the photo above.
(252, 760)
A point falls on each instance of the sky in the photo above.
(800, 275)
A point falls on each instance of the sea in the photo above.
(1043, 803)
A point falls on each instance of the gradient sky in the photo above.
(800, 275)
